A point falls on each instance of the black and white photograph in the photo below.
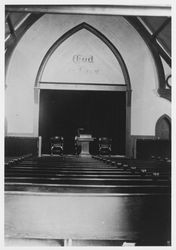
(87, 124)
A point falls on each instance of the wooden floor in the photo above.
(95, 200)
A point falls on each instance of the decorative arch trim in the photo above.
(97, 33)
(164, 116)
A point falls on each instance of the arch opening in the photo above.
(124, 89)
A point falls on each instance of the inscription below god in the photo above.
(82, 59)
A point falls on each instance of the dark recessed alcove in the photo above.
(101, 113)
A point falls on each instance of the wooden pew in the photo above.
(162, 167)
(88, 174)
(12, 160)
(58, 201)
(74, 212)
(88, 181)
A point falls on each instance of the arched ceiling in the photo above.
(19, 18)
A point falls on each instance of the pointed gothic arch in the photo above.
(95, 32)
(163, 127)
(119, 59)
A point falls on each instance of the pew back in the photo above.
(119, 216)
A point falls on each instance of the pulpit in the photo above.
(83, 140)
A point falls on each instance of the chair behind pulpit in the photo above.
(104, 146)
(57, 145)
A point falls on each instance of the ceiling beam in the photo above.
(6, 15)
(166, 22)
(11, 28)
(11, 43)
(164, 55)
(157, 52)
(132, 10)
(141, 28)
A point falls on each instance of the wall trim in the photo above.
(21, 135)
(147, 8)
(82, 86)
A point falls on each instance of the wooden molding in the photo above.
(82, 86)
(121, 8)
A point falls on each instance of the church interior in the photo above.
(87, 125)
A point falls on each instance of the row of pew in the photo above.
(12, 160)
(101, 198)
(155, 168)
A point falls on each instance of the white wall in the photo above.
(83, 58)
(147, 106)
